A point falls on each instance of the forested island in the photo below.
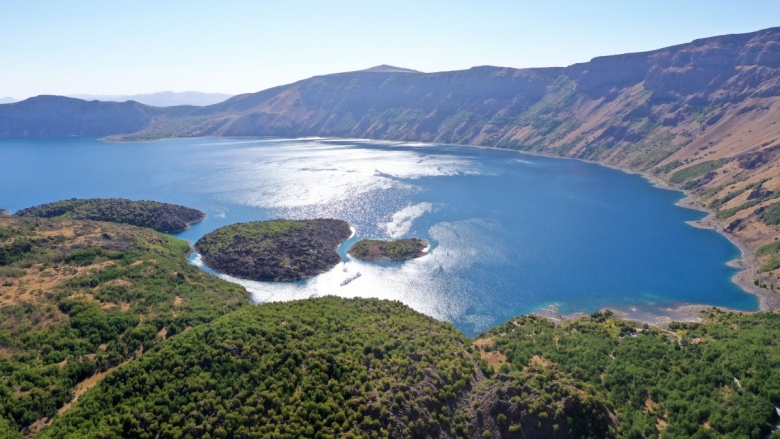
(276, 250)
(385, 250)
(107, 331)
(163, 217)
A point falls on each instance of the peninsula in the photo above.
(163, 217)
(277, 250)
(383, 250)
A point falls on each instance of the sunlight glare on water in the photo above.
(509, 233)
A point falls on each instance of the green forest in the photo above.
(695, 380)
(107, 331)
(328, 368)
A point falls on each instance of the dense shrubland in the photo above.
(326, 368)
(329, 366)
(715, 379)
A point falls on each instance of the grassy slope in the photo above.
(79, 297)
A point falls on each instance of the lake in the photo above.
(510, 233)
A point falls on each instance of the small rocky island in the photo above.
(383, 250)
(277, 250)
(163, 217)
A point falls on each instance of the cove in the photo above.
(510, 233)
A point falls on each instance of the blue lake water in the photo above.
(510, 233)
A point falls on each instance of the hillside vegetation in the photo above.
(328, 368)
(716, 379)
(276, 250)
(333, 367)
(163, 217)
(107, 331)
(78, 298)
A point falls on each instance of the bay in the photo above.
(510, 233)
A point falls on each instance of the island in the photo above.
(385, 250)
(163, 217)
(276, 250)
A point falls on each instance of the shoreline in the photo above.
(689, 313)
(746, 263)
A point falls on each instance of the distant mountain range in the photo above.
(7, 100)
(161, 99)
(701, 116)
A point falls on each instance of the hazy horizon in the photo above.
(102, 48)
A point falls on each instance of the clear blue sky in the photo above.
(129, 47)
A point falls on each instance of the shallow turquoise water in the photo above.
(511, 233)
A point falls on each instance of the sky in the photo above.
(133, 47)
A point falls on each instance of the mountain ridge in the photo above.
(161, 99)
(386, 68)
